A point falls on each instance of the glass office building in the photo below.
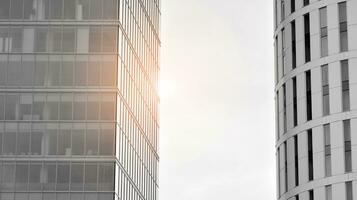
(78, 99)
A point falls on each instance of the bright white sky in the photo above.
(217, 100)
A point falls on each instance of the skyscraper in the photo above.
(316, 99)
(78, 99)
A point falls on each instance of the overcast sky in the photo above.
(217, 100)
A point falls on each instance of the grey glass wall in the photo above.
(78, 99)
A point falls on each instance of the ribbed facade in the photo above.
(78, 99)
(316, 99)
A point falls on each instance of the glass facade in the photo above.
(78, 99)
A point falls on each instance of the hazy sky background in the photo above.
(217, 100)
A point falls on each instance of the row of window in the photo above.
(58, 9)
(80, 39)
(39, 139)
(343, 38)
(55, 106)
(57, 196)
(56, 70)
(325, 95)
(283, 156)
(56, 176)
(328, 192)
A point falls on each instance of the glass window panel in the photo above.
(4, 9)
(64, 141)
(344, 41)
(94, 71)
(83, 39)
(66, 107)
(80, 71)
(346, 100)
(69, 9)
(77, 178)
(55, 39)
(95, 9)
(69, 38)
(2, 109)
(23, 142)
(21, 196)
(21, 176)
(3, 65)
(105, 196)
(56, 7)
(79, 110)
(109, 39)
(93, 106)
(1, 135)
(324, 46)
(49, 196)
(16, 9)
(50, 137)
(349, 191)
(95, 38)
(328, 192)
(54, 71)
(36, 142)
(25, 106)
(342, 12)
(90, 177)
(7, 196)
(41, 70)
(38, 107)
(77, 196)
(9, 143)
(67, 71)
(7, 176)
(92, 138)
(63, 176)
(35, 176)
(14, 71)
(16, 39)
(62, 196)
(106, 176)
(110, 9)
(12, 107)
(4, 39)
(30, 9)
(107, 107)
(35, 196)
(323, 17)
(108, 71)
(78, 140)
(91, 196)
(107, 142)
(51, 112)
(82, 9)
(28, 68)
(49, 177)
(41, 39)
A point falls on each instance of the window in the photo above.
(109, 38)
(4, 9)
(325, 91)
(108, 69)
(297, 197)
(41, 70)
(295, 116)
(106, 176)
(276, 59)
(308, 95)
(343, 26)
(90, 183)
(95, 38)
(3, 66)
(107, 111)
(296, 159)
(29, 10)
(293, 44)
(95, 9)
(92, 141)
(11, 112)
(64, 141)
(284, 108)
(282, 8)
(328, 190)
(307, 37)
(56, 7)
(311, 195)
(14, 70)
(50, 176)
(110, 9)
(69, 39)
(15, 39)
(79, 107)
(93, 107)
(8, 176)
(82, 9)
(345, 85)
(310, 155)
(78, 140)
(54, 71)
(347, 146)
(21, 176)
(327, 140)
(283, 50)
(292, 6)
(67, 71)
(16, 9)
(63, 176)
(66, 107)
(323, 32)
(286, 165)
(80, 71)
(107, 141)
(23, 142)
(69, 9)
(35, 176)
(77, 176)
(28, 68)
(306, 2)
(349, 191)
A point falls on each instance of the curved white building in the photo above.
(316, 99)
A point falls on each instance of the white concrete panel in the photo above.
(351, 12)
(333, 41)
(352, 37)
(338, 191)
(353, 82)
(319, 165)
(335, 100)
(354, 143)
(304, 195)
(319, 193)
(315, 47)
(337, 151)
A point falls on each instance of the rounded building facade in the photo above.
(316, 99)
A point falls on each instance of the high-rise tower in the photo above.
(78, 99)
(316, 99)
